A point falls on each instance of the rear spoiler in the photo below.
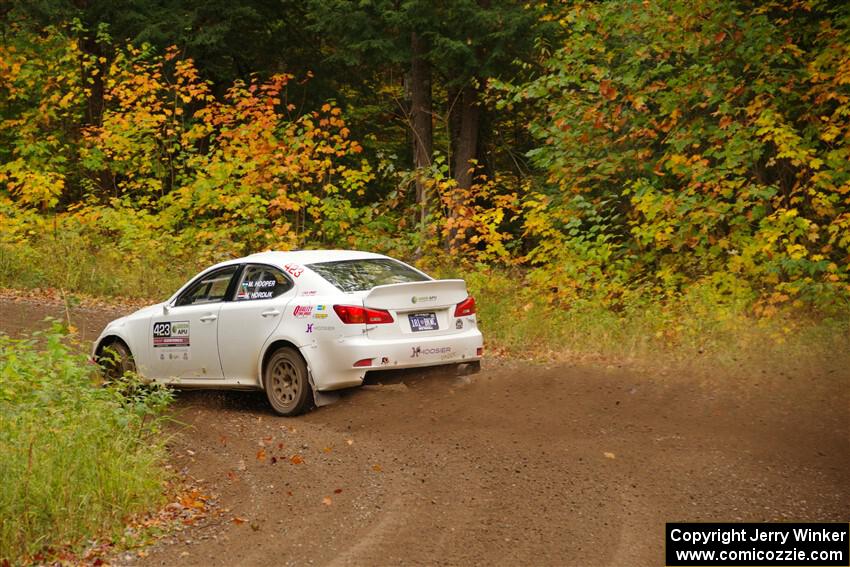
(431, 293)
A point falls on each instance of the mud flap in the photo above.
(469, 368)
(322, 398)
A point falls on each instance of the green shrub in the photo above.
(76, 458)
(521, 316)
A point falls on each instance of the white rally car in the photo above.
(296, 324)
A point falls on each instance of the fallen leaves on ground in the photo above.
(194, 499)
(188, 505)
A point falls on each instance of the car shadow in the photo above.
(255, 402)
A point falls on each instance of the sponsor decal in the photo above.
(321, 307)
(309, 292)
(417, 351)
(293, 269)
(309, 327)
(324, 328)
(423, 298)
(321, 315)
(171, 334)
(182, 355)
(459, 324)
(302, 310)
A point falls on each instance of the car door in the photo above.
(258, 305)
(183, 340)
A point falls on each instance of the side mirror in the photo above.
(166, 307)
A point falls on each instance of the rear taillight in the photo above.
(465, 307)
(354, 314)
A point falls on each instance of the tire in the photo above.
(286, 383)
(116, 359)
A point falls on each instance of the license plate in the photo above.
(423, 321)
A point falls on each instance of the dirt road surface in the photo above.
(521, 464)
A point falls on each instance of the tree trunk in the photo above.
(93, 115)
(454, 116)
(420, 94)
(466, 148)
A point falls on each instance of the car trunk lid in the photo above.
(418, 308)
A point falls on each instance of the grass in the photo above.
(77, 460)
(520, 317)
(103, 269)
(696, 327)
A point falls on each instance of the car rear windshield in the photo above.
(362, 275)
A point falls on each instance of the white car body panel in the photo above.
(199, 359)
(223, 344)
(243, 332)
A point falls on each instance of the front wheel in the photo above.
(286, 383)
(116, 360)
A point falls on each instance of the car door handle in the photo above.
(271, 313)
(206, 318)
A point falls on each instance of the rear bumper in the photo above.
(335, 369)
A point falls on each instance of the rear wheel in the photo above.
(286, 383)
(116, 360)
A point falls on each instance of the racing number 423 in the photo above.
(162, 330)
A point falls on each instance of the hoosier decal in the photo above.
(171, 334)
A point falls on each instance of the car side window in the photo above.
(210, 288)
(261, 282)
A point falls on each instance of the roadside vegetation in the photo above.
(77, 460)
